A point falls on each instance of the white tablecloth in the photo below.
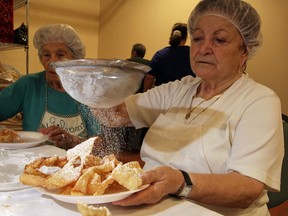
(28, 201)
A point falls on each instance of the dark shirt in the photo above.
(140, 60)
(170, 64)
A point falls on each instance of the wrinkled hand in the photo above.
(162, 180)
(59, 137)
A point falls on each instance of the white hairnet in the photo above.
(59, 33)
(241, 14)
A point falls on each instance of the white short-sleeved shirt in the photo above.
(240, 130)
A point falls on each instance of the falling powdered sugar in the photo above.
(114, 139)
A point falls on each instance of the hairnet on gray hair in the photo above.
(241, 14)
(61, 33)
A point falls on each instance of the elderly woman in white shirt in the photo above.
(216, 139)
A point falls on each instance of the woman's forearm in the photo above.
(229, 190)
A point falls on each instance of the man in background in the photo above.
(137, 54)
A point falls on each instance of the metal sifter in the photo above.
(100, 83)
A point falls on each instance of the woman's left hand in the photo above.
(59, 137)
(163, 181)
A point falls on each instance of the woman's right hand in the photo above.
(162, 181)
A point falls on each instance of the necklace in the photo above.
(188, 115)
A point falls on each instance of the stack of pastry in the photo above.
(81, 173)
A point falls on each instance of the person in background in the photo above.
(137, 54)
(172, 62)
(216, 139)
(40, 96)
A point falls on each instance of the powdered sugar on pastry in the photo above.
(128, 175)
(72, 170)
(82, 150)
(81, 173)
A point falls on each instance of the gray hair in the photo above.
(241, 14)
(61, 33)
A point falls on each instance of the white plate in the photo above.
(97, 199)
(12, 163)
(30, 138)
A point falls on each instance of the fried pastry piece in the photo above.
(92, 160)
(81, 186)
(72, 170)
(31, 180)
(66, 190)
(128, 175)
(9, 136)
(65, 176)
(33, 175)
(92, 183)
(107, 164)
(98, 188)
(115, 187)
(68, 174)
(95, 180)
(82, 150)
(89, 210)
(34, 168)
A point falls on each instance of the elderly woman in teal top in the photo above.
(45, 104)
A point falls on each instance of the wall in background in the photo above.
(109, 28)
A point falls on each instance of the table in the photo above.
(28, 201)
